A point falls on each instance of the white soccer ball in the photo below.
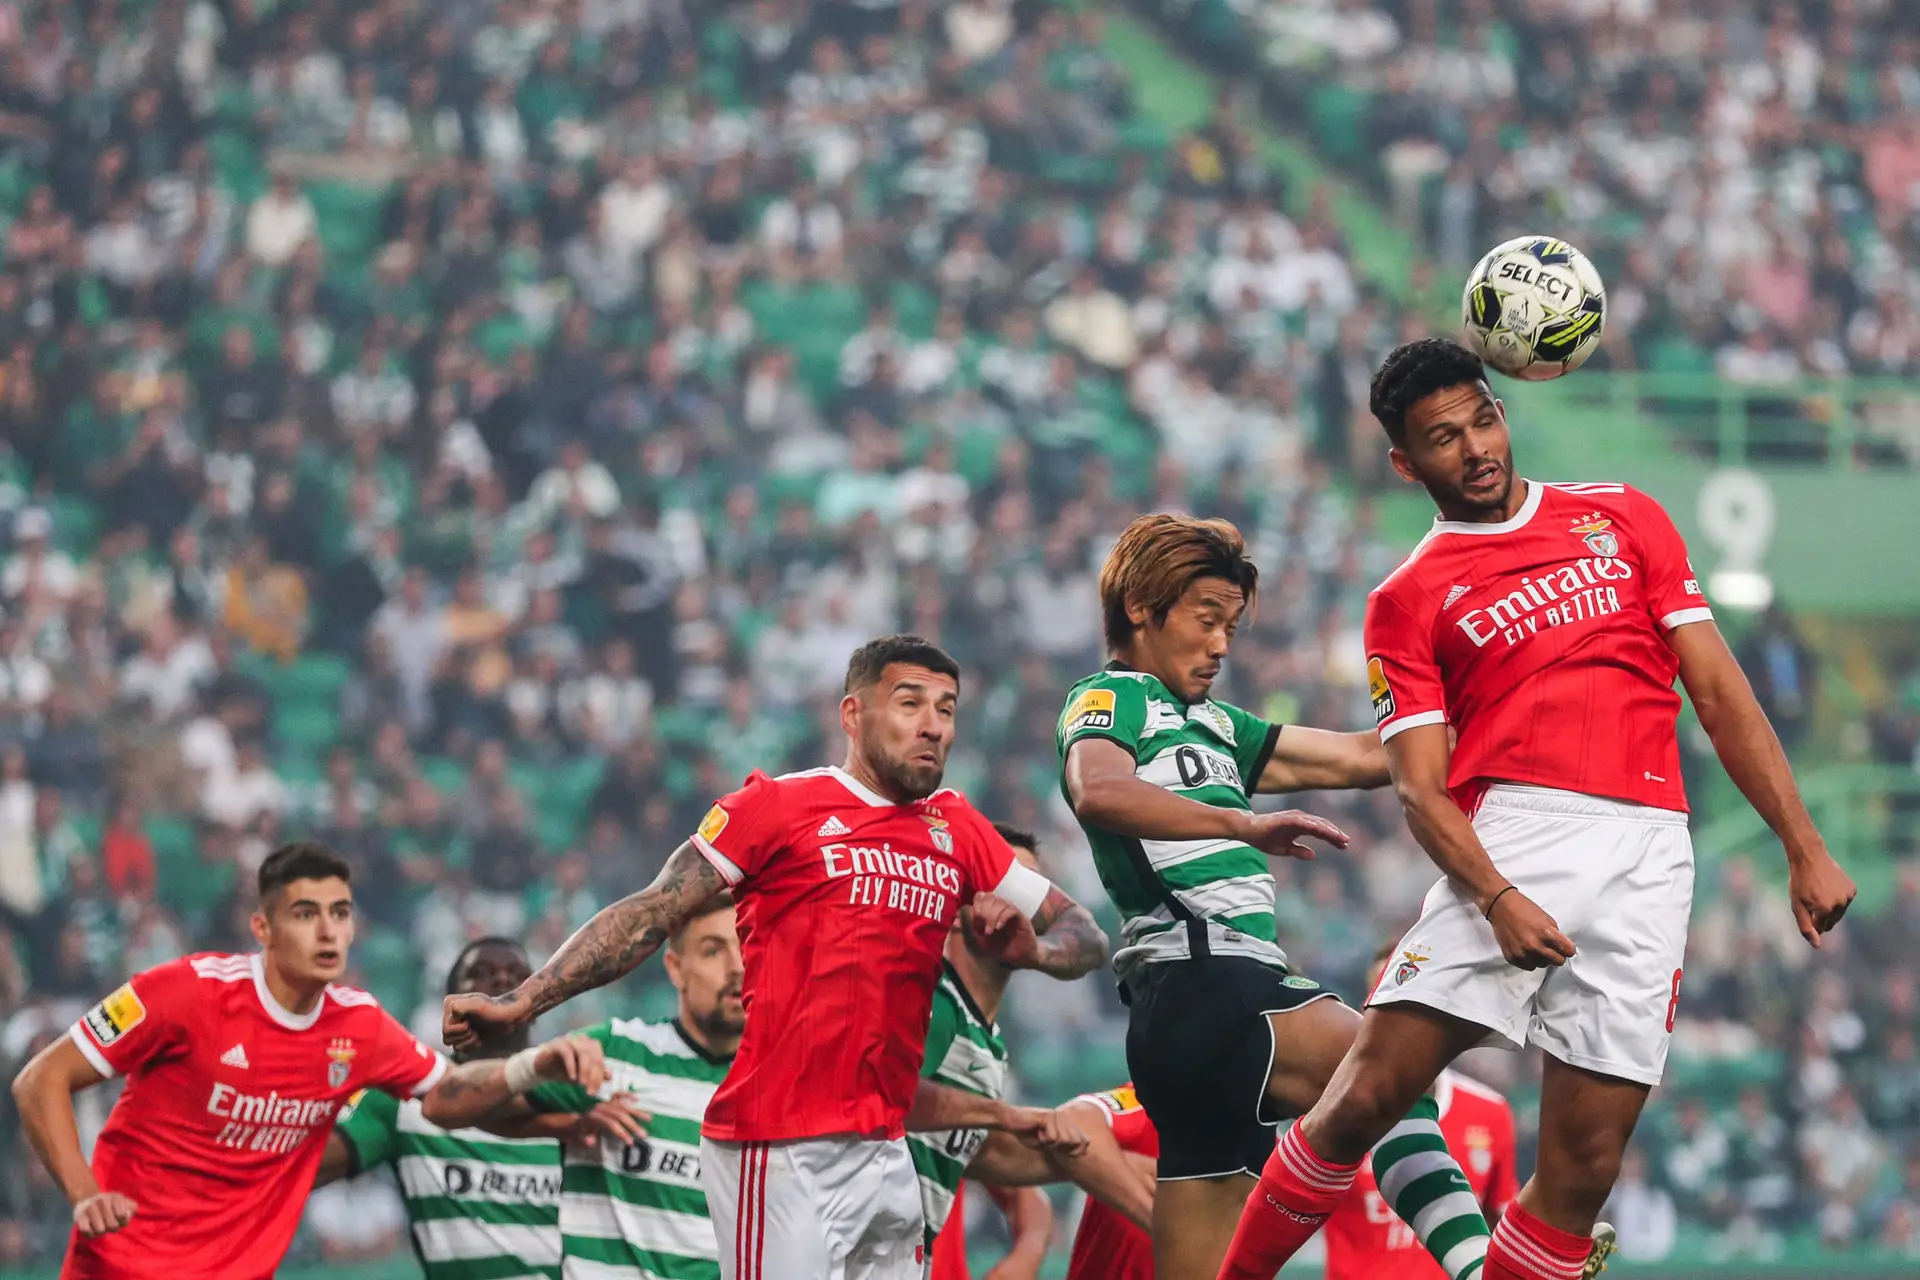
(1533, 308)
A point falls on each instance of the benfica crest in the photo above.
(339, 1062)
(1594, 530)
(1410, 962)
(942, 837)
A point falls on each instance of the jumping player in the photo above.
(848, 882)
(1364, 1237)
(1223, 1038)
(237, 1067)
(1544, 625)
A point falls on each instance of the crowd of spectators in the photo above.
(477, 434)
(1747, 175)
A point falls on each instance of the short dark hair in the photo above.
(300, 860)
(1158, 557)
(721, 901)
(1018, 838)
(870, 661)
(1412, 372)
(466, 953)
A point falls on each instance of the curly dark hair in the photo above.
(1412, 372)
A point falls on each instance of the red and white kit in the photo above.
(1366, 1239)
(1107, 1246)
(845, 901)
(1543, 641)
(228, 1103)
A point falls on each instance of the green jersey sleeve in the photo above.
(368, 1126)
(1110, 707)
(564, 1096)
(1253, 742)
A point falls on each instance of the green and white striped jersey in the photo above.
(480, 1207)
(1207, 751)
(637, 1212)
(964, 1050)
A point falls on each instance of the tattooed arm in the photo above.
(1061, 939)
(472, 1091)
(606, 947)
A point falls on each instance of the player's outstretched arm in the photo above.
(1106, 794)
(471, 1092)
(1528, 936)
(605, 948)
(937, 1108)
(1750, 751)
(1103, 1170)
(1306, 759)
(43, 1091)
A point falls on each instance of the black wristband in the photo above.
(1496, 898)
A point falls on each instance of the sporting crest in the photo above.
(339, 1062)
(1595, 531)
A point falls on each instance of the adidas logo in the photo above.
(235, 1057)
(834, 827)
(1454, 595)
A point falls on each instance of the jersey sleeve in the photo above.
(149, 1019)
(400, 1064)
(1122, 1111)
(993, 868)
(1672, 591)
(743, 829)
(564, 1097)
(1253, 742)
(1110, 708)
(1403, 676)
(368, 1126)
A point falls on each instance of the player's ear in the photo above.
(850, 713)
(1139, 614)
(1403, 468)
(259, 925)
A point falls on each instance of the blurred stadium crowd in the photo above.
(476, 434)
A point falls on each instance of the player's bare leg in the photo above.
(1383, 1078)
(1194, 1218)
(1586, 1120)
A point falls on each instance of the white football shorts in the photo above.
(818, 1209)
(1618, 880)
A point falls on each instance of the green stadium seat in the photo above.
(448, 777)
(307, 726)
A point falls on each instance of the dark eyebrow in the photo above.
(917, 687)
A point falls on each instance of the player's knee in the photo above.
(1367, 1105)
(1579, 1169)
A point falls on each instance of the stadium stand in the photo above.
(476, 434)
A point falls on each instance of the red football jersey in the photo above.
(1366, 1239)
(1107, 1246)
(949, 1261)
(1542, 641)
(845, 901)
(228, 1103)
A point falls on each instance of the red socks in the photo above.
(1296, 1193)
(1525, 1248)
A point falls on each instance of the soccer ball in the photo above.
(1533, 308)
